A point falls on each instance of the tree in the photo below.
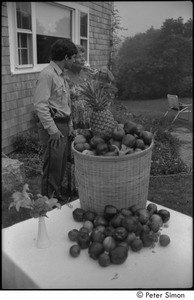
(115, 39)
(152, 64)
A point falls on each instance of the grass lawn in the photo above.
(156, 108)
(174, 191)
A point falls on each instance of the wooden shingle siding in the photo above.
(17, 90)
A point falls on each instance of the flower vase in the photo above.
(42, 238)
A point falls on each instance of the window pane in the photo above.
(23, 13)
(84, 44)
(83, 24)
(52, 20)
(44, 48)
(24, 49)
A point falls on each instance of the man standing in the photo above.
(53, 107)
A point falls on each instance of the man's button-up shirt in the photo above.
(52, 93)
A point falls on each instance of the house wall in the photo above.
(18, 90)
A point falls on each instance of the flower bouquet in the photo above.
(38, 209)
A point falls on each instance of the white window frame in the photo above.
(15, 69)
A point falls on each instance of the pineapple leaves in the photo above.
(96, 93)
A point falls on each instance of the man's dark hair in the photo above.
(62, 47)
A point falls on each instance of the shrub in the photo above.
(27, 142)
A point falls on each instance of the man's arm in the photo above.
(41, 103)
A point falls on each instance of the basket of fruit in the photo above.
(112, 161)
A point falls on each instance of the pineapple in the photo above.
(97, 97)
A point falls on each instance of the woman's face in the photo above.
(79, 59)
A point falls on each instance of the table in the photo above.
(27, 267)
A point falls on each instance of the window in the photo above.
(24, 33)
(84, 32)
(50, 26)
(34, 26)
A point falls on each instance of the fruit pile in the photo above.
(109, 237)
(126, 139)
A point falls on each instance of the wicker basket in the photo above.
(118, 180)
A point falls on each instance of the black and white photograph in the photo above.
(97, 148)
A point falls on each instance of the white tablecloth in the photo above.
(27, 267)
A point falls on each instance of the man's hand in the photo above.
(71, 130)
(55, 139)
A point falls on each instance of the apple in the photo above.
(110, 211)
(164, 214)
(117, 220)
(143, 215)
(118, 133)
(120, 233)
(130, 127)
(95, 249)
(97, 236)
(113, 142)
(129, 140)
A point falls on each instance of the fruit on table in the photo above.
(100, 228)
(89, 216)
(72, 234)
(143, 215)
(136, 245)
(134, 207)
(109, 243)
(147, 238)
(130, 237)
(83, 240)
(164, 240)
(156, 219)
(118, 133)
(164, 214)
(154, 226)
(84, 229)
(97, 236)
(129, 140)
(118, 255)
(100, 220)
(95, 249)
(130, 223)
(125, 212)
(108, 237)
(117, 220)
(123, 244)
(78, 214)
(120, 233)
(108, 231)
(75, 250)
(104, 260)
(139, 228)
(152, 208)
(110, 211)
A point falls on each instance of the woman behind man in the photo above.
(78, 74)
